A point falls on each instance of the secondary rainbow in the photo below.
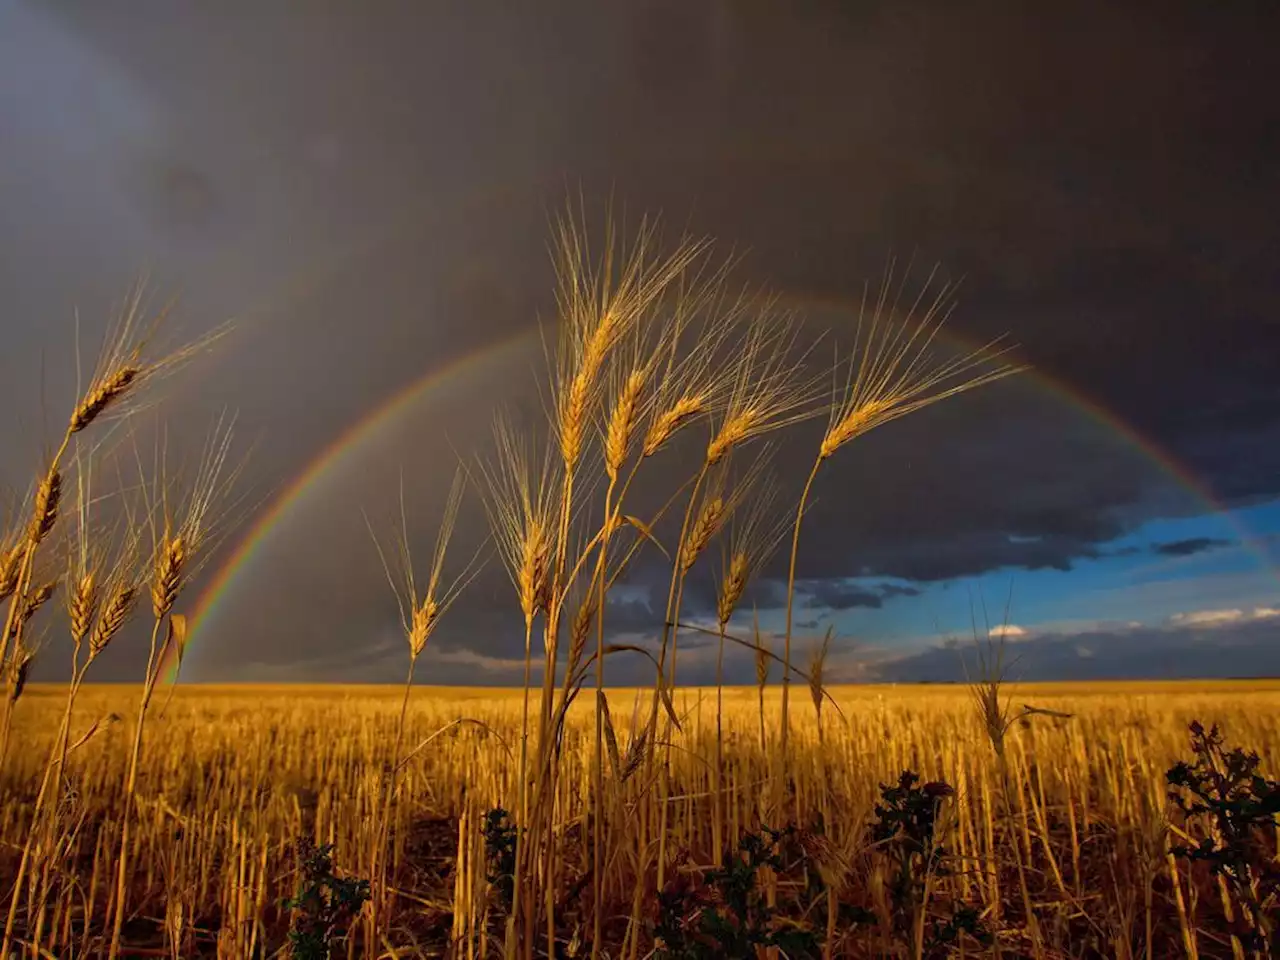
(402, 400)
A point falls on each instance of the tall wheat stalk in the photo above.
(889, 372)
(754, 533)
(127, 362)
(99, 599)
(421, 609)
(183, 525)
(600, 306)
(763, 661)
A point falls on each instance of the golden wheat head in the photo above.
(890, 372)
(10, 564)
(521, 506)
(44, 513)
(754, 533)
(115, 612)
(769, 389)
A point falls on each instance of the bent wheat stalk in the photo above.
(888, 374)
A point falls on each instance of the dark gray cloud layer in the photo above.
(1189, 547)
(368, 189)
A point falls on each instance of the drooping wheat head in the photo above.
(44, 513)
(891, 370)
(522, 509)
(769, 388)
(695, 379)
(37, 598)
(10, 561)
(755, 531)
(130, 355)
(636, 753)
(817, 667)
(20, 669)
(187, 520)
(719, 500)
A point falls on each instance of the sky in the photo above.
(366, 191)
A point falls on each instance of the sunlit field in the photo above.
(233, 776)
(789, 819)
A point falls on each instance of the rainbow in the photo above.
(385, 415)
(381, 418)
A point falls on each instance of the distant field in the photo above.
(847, 690)
(232, 775)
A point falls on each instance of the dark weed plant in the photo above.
(723, 912)
(324, 906)
(904, 835)
(1235, 807)
(500, 840)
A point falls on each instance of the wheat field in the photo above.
(233, 776)
(791, 819)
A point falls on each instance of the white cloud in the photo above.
(1207, 618)
(1008, 630)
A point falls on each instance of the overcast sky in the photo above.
(366, 189)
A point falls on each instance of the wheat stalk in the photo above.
(817, 666)
(755, 531)
(695, 381)
(601, 304)
(182, 528)
(768, 390)
(716, 506)
(890, 373)
(764, 661)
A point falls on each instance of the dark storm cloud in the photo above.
(633, 616)
(368, 192)
(1189, 547)
(1243, 648)
(845, 595)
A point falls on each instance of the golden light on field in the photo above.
(232, 776)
